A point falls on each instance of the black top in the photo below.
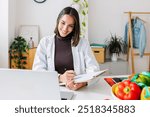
(63, 54)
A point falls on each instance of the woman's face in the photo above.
(65, 25)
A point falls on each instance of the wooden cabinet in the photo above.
(29, 61)
(99, 54)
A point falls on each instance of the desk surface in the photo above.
(99, 89)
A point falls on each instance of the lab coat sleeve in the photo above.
(40, 59)
(90, 61)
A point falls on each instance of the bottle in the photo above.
(31, 43)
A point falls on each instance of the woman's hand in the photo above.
(75, 86)
(68, 77)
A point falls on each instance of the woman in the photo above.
(65, 52)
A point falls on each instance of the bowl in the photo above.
(113, 92)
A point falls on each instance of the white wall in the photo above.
(45, 14)
(14, 13)
(12, 20)
(4, 33)
(107, 16)
(7, 29)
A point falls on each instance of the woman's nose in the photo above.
(65, 28)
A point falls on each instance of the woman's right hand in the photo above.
(67, 77)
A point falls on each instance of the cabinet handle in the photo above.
(96, 51)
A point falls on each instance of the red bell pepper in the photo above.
(127, 90)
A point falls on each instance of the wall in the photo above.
(4, 33)
(11, 20)
(7, 29)
(107, 16)
(14, 13)
(45, 14)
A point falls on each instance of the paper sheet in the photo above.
(88, 76)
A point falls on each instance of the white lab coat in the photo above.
(83, 58)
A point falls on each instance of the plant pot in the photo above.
(114, 57)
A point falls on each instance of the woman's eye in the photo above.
(71, 26)
(63, 23)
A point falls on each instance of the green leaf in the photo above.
(116, 45)
(17, 48)
(76, 1)
(84, 24)
(83, 12)
(86, 3)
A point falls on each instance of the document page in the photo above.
(88, 76)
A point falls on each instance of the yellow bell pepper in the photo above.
(143, 94)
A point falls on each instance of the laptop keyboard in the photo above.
(65, 95)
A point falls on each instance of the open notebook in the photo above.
(86, 77)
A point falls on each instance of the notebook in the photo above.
(88, 76)
(18, 84)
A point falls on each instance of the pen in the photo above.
(65, 69)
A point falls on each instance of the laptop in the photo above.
(18, 84)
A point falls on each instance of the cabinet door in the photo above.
(99, 54)
(13, 61)
(29, 62)
(31, 57)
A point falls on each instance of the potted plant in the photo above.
(18, 51)
(115, 46)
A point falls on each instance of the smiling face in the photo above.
(66, 25)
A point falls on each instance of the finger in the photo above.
(69, 79)
(71, 85)
(70, 72)
(70, 75)
(79, 85)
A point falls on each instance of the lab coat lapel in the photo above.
(51, 53)
(76, 60)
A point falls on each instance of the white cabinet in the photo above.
(115, 68)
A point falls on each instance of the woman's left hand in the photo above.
(75, 86)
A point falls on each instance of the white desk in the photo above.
(98, 90)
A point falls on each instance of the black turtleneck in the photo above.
(63, 54)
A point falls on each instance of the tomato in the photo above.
(127, 90)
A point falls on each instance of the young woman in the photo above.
(65, 52)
